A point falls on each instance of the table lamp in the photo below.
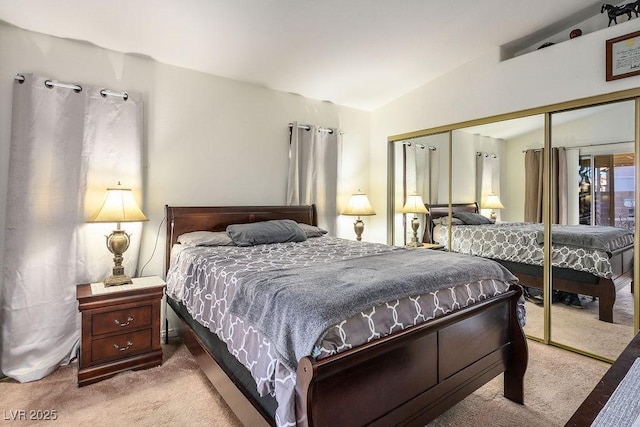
(358, 206)
(118, 206)
(492, 202)
(414, 205)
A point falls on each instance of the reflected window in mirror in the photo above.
(606, 190)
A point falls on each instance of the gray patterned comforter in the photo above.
(207, 279)
(520, 242)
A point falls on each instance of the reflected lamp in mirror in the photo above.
(358, 206)
(118, 206)
(492, 202)
(414, 205)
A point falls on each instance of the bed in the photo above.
(597, 273)
(407, 377)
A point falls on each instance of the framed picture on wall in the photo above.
(623, 56)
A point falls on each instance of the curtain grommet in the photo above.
(105, 92)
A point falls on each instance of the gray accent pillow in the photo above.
(260, 233)
(470, 218)
(312, 230)
(205, 238)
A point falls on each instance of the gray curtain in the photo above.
(534, 173)
(313, 172)
(66, 149)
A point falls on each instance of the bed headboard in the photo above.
(438, 211)
(183, 219)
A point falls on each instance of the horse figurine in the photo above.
(614, 11)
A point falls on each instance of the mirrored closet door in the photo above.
(593, 212)
(496, 152)
(529, 173)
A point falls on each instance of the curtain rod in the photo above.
(308, 127)
(77, 88)
(479, 153)
(430, 147)
(586, 145)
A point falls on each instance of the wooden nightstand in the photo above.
(120, 328)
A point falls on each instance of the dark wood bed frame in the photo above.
(564, 279)
(407, 378)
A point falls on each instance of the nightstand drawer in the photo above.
(122, 345)
(121, 320)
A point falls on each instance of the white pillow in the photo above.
(205, 238)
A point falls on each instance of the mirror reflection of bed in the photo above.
(516, 246)
(598, 140)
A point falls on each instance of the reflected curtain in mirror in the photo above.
(573, 185)
(421, 177)
(487, 179)
(534, 172)
(422, 171)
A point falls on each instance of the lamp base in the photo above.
(358, 227)
(415, 225)
(122, 279)
(117, 243)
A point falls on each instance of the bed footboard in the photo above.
(412, 377)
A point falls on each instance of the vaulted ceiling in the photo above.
(357, 53)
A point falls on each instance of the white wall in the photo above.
(486, 87)
(207, 140)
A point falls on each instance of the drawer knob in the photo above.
(117, 347)
(127, 322)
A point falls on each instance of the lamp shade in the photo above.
(492, 202)
(118, 206)
(414, 204)
(359, 206)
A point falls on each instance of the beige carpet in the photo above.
(177, 393)
(580, 328)
(556, 383)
